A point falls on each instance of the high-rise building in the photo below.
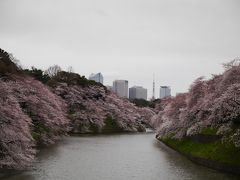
(165, 91)
(96, 77)
(120, 87)
(137, 92)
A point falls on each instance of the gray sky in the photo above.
(179, 40)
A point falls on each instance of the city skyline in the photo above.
(179, 41)
(98, 77)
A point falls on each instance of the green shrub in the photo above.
(209, 131)
(38, 130)
(71, 79)
(38, 74)
(111, 126)
(6, 64)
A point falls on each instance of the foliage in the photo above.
(90, 106)
(53, 70)
(216, 151)
(6, 64)
(140, 102)
(39, 130)
(111, 125)
(145, 103)
(42, 106)
(209, 131)
(227, 107)
(208, 104)
(32, 113)
(16, 144)
(231, 64)
(71, 79)
(38, 74)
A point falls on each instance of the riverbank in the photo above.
(123, 156)
(40, 107)
(204, 123)
(212, 154)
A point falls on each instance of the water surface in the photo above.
(115, 157)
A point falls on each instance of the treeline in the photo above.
(145, 103)
(209, 104)
(204, 123)
(38, 107)
(9, 65)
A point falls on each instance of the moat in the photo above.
(115, 157)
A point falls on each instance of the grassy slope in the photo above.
(216, 151)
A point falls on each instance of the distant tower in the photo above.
(153, 96)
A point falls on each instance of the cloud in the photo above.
(101, 12)
(124, 39)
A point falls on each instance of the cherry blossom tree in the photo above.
(209, 103)
(16, 143)
(46, 110)
(90, 106)
(227, 107)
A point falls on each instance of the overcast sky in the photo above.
(178, 40)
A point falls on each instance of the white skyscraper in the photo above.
(121, 88)
(165, 91)
(137, 92)
(96, 77)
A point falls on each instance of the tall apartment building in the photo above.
(120, 87)
(137, 92)
(96, 77)
(165, 91)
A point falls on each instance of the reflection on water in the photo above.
(115, 157)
